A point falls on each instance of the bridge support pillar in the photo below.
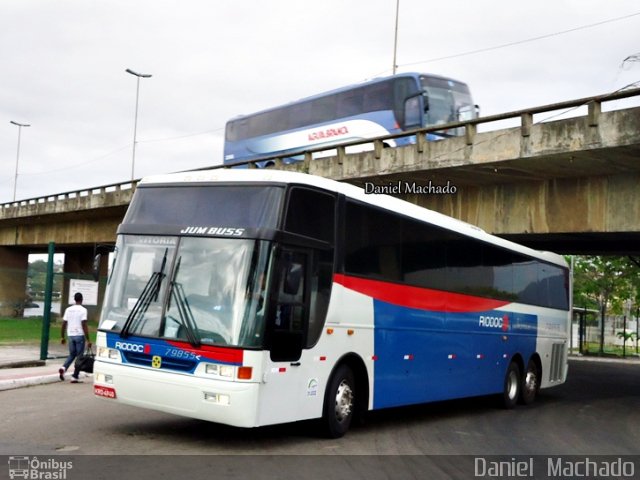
(14, 263)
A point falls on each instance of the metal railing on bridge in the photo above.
(594, 105)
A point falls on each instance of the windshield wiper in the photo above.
(149, 294)
(184, 310)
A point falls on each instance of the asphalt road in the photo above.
(597, 412)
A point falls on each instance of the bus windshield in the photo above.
(198, 289)
(448, 101)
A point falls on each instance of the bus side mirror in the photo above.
(293, 279)
(96, 267)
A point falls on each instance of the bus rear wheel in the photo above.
(530, 383)
(339, 403)
(512, 386)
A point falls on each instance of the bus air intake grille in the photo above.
(143, 359)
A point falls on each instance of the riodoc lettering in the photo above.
(130, 347)
(494, 322)
(221, 231)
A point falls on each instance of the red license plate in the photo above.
(106, 392)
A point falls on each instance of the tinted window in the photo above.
(369, 98)
(525, 279)
(497, 264)
(350, 103)
(220, 206)
(372, 242)
(383, 245)
(311, 213)
(323, 110)
(553, 285)
(464, 267)
(378, 97)
(424, 254)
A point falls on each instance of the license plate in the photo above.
(106, 392)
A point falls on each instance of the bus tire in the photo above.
(339, 403)
(530, 383)
(512, 386)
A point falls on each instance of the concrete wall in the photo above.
(566, 205)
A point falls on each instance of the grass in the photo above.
(29, 331)
(593, 348)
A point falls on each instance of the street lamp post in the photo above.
(135, 121)
(395, 39)
(15, 179)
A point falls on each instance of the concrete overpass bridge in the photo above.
(570, 185)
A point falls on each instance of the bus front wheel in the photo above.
(339, 403)
(512, 385)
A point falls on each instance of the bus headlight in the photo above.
(103, 378)
(220, 370)
(229, 371)
(109, 353)
(218, 398)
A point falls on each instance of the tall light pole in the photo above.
(135, 122)
(15, 179)
(395, 39)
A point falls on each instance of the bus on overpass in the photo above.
(366, 110)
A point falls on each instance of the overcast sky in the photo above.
(63, 69)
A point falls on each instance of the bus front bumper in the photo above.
(226, 402)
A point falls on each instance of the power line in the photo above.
(82, 164)
(76, 165)
(179, 137)
(520, 42)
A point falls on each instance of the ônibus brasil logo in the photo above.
(489, 321)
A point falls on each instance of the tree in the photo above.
(37, 275)
(605, 282)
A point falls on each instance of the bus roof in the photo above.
(379, 200)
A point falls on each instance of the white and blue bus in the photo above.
(367, 110)
(256, 297)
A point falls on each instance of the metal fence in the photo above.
(618, 336)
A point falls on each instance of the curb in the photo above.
(14, 383)
(595, 359)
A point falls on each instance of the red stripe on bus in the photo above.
(220, 354)
(416, 297)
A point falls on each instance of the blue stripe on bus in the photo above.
(172, 354)
(425, 356)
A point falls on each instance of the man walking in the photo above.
(74, 323)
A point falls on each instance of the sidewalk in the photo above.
(20, 365)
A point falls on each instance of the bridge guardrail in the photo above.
(593, 103)
(11, 209)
